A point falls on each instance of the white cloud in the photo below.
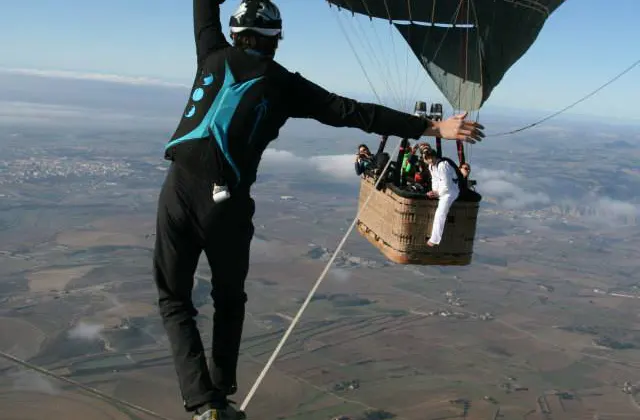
(281, 161)
(603, 211)
(283, 158)
(608, 207)
(86, 331)
(339, 166)
(26, 110)
(98, 77)
(509, 189)
(607, 135)
(51, 114)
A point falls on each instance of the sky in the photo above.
(582, 45)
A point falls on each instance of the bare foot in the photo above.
(431, 244)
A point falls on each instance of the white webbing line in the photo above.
(312, 292)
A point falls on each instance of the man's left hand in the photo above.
(457, 128)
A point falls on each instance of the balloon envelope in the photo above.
(466, 46)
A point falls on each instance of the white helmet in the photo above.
(261, 16)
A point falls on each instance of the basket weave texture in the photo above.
(400, 227)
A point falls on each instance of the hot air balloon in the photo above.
(466, 47)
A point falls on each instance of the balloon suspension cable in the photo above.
(86, 388)
(584, 98)
(364, 70)
(313, 290)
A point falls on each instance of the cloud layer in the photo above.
(96, 77)
(86, 331)
(603, 211)
(510, 189)
(339, 167)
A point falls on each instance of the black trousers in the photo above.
(189, 222)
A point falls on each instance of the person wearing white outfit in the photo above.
(444, 187)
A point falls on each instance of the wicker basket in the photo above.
(400, 227)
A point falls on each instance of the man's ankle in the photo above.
(210, 406)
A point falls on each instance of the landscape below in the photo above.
(544, 320)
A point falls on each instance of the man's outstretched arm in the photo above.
(312, 101)
(207, 28)
(309, 100)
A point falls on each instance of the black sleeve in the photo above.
(207, 28)
(309, 100)
(359, 168)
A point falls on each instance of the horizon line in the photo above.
(497, 110)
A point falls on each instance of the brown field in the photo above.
(368, 323)
(55, 279)
(68, 405)
(19, 338)
(87, 238)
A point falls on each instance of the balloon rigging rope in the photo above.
(364, 70)
(584, 98)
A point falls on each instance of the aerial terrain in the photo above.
(544, 324)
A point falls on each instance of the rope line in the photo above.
(584, 98)
(313, 290)
(90, 390)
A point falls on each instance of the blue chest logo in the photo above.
(198, 94)
(218, 117)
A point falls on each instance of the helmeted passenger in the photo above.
(241, 98)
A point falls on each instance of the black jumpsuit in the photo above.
(237, 106)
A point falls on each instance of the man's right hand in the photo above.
(456, 128)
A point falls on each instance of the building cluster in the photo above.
(445, 313)
(629, 388)
(509, 387)
(40, 168)
(448, 314)
(452, 299)
(347, 385)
